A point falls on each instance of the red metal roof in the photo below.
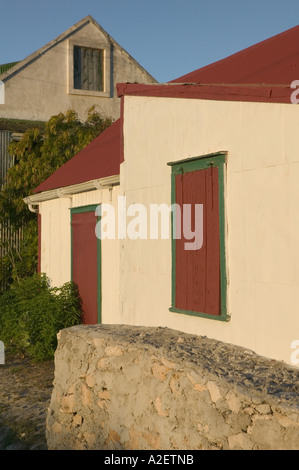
(99, 159)
(273, 61)
(261, 73)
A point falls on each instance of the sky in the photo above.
(169, 38)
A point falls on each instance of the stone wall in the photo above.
(125, 387)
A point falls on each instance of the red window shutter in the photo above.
(197, 272)
(85, 263)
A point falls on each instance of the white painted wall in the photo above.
(55, 240)
(262, 200)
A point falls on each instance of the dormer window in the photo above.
(88, 69)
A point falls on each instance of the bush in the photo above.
(32, 313)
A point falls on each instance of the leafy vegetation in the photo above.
(38, 154)
(32, 313)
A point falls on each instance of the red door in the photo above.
(197, 272)
(86, 262)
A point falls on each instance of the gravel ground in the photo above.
(25, 392)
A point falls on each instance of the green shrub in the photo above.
(32, 313)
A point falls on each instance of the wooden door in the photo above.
(86, 262)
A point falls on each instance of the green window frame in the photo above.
(79, 210)
(188, 165)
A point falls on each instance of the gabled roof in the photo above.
(100, 159)
(18, 66)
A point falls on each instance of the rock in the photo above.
(156, 388)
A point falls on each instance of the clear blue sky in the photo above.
(169, 38)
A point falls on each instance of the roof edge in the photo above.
(68, 191)
(222, 92)
(19, 125)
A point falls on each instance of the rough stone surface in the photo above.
(126, 387)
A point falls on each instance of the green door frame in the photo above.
(79, 210)
(184, 166)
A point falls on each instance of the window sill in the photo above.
(99, 94)
(223, 317)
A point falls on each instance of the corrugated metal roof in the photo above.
(99, 159)
(253, 93)
(5, 67)
(19, 125)
(272, 61)
(260, 73)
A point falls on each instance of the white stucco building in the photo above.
(223, 137)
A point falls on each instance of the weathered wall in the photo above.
(261, 203)
(121, 387)
(44, 87)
